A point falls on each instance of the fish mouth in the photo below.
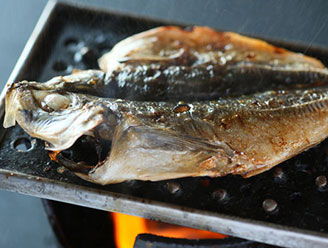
(86, 155)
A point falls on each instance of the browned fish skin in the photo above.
(163, 140)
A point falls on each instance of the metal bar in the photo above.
(109, 201)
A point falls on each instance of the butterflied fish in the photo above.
(166, 63)
(169, 63)
(163, 140)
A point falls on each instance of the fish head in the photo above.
(58, 117)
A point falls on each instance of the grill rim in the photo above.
(115, 202)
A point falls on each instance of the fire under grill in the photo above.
(286, 206)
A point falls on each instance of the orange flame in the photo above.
(126, 229)
(53, 155)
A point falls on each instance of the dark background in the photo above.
(22, 220)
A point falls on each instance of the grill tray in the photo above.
(230, 205)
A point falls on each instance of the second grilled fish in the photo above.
(165, 140)
(166, 63)
(169, 63)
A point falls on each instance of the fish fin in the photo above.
(154, 138)
(148, 153)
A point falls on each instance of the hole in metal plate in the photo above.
(22, 144)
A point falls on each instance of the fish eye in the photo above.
(55, 102)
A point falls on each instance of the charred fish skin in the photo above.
(165, 140)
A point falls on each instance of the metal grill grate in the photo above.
(292, 195)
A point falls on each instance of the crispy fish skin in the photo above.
(167, 62)
(165, 140)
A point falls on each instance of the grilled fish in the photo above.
(163, 140)
(166, 63)
(170, 63)
(154, 141)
